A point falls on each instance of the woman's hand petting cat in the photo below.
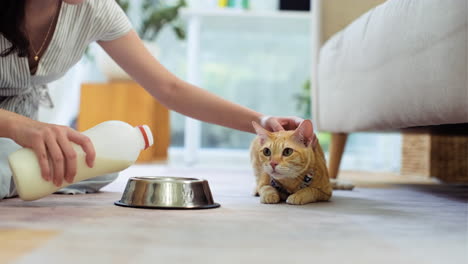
(275, 123)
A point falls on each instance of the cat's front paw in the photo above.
(297, 199)
(269, 196)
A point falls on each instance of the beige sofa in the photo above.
(386, 65)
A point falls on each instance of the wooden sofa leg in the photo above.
(338, 142)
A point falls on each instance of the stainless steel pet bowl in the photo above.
(167, 193)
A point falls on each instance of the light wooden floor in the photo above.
(386, 219)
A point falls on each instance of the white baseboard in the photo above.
(213, 158)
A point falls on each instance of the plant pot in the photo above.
(112, 71)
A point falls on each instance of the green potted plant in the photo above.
(154, 17)
(158, 16)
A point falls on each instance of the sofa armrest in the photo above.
(329, 17)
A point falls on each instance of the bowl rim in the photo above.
(166, 179)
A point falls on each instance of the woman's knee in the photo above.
(7, 187)
(92, 185)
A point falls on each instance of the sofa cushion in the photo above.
(402, 64)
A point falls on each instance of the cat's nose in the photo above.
(273, 164)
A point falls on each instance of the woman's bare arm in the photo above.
(176, 94)
(130, 53)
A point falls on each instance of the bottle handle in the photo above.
(145, 136)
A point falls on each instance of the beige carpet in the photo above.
(378, 222)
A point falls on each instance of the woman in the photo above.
(41, 40)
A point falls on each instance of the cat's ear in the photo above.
(304, 133)
(261, 132)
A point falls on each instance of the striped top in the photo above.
(77, 27)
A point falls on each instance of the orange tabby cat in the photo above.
(288, 168)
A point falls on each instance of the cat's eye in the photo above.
(266, 152)
(287, 152)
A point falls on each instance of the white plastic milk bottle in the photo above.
(117, 145)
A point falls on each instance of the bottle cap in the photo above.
(147, 135)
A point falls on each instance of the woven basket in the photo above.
(444, 156)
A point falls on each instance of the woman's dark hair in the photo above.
(11, 27)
